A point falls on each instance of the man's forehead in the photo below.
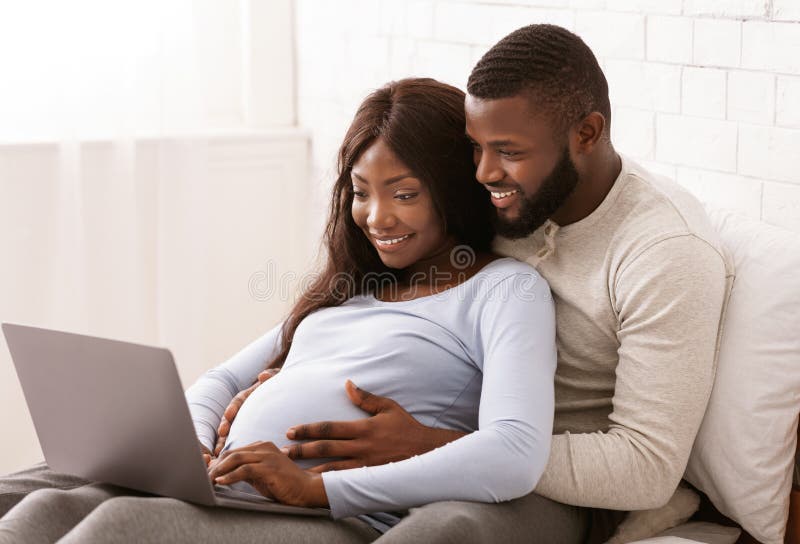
(478, 105)
(509, 116)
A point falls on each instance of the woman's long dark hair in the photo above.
(422, 121)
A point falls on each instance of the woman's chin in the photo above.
(395, 262)
(397, 256)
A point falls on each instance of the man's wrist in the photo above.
(433, 438)
(319, 498)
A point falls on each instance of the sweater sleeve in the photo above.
(669, 302)
(503, 459)
(211, 394)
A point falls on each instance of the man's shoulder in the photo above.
(653, 208)
(641, 210)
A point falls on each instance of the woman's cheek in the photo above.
(358, 212)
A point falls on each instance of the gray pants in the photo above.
(39, 505)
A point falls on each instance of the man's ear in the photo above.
(589, 131)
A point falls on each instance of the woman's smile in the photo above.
(391, 243)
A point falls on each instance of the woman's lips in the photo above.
(391, 248)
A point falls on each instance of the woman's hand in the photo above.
(391, 434)
(233, 408)
(272, 473)
(208, 457)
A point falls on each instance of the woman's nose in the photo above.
(381, 216)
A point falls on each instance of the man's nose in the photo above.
(488, 169)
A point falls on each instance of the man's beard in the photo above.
(537, 208)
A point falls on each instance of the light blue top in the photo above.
(478, 357)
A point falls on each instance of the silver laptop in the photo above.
(111, 411)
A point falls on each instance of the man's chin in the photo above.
(508, 215)
(513, 226)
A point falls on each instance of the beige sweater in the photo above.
(640, 287)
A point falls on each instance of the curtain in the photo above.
(127, 167)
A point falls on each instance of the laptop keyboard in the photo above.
(230, 493)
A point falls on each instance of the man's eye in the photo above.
(508, 154)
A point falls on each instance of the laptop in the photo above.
(111, 411)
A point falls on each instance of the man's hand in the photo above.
(274, 475)
(391, 434)
(233, 408)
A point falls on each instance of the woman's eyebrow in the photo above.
(390, 181)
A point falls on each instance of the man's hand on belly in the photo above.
(390, 434)
(233, 408)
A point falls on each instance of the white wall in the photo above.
(706, 91)
(199, 247)
(146, 193)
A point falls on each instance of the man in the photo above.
(640, 284)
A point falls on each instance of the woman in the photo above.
(460, 343)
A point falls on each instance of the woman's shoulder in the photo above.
(499, 278)
(500, 268)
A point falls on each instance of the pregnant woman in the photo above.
(410, 305)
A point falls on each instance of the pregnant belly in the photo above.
(291, 398)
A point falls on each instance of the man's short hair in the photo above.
(554, 66)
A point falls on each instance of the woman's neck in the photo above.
(433, 270)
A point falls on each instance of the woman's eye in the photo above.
(406, 196)
(359, 194)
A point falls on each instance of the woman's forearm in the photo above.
(215, 389)
(495, 464)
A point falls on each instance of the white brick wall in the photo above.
(704, 91)
(788, 102)
(751, 97)
(769, 152)
(610, 34)
(726, 8)
(717, 42)
(786, 10)
(771, 46)
(634, 131)
(704, 143)
(669, 39)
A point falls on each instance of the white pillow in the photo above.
(743, 456)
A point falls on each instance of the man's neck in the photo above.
(594, 184)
